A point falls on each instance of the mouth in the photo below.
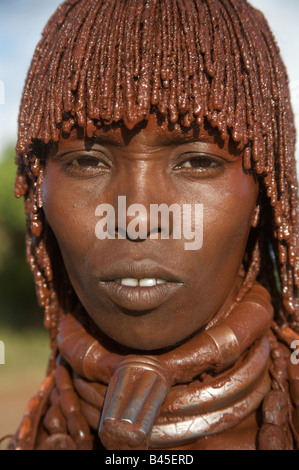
(139, 286)
(137, 297)
(145, 282)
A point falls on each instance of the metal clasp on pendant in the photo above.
(134, 396)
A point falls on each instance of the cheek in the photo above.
(71, 218)
(227, 213)
(227, 220)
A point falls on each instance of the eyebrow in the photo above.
(161, 139)
(184, 139)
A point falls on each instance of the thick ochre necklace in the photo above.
(189, 411)
(133, 415)
(202, 387)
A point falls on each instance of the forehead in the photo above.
(151, 133)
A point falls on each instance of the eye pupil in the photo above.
(87, 161)
(200, 162)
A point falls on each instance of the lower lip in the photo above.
(139, 298)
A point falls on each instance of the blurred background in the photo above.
(21, 321)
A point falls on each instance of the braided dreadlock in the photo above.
(189, 61)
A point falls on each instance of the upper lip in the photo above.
(146, 268)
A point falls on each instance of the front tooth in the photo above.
(147, 282)
(128, 281)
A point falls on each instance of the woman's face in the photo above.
(149, 292)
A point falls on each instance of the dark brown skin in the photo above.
(150, 166)
(206, 61)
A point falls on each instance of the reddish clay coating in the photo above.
(83, 96)
(249, 321)
(211, 62)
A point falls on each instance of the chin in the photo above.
(139, 342)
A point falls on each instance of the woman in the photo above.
(128, 106)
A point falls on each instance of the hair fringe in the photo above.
(190, 62)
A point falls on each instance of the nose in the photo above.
(136, 222)
(132, 221)
(141, 211)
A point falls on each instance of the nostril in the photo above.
(154, 233)
(135, 235)
(129, 235)
(121, 233)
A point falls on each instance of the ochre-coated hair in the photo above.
(192, 62)
(195, 62)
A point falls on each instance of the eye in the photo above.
(202, 164)
(87, 161)
(84, 165)
(199, 162)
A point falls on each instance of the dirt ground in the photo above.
(26, 357)
(14, 398)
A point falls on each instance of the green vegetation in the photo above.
(26, 359)
(28, 349)
(17, 294)
(21, 320)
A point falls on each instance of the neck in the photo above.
(138, 385)
(203, 387)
